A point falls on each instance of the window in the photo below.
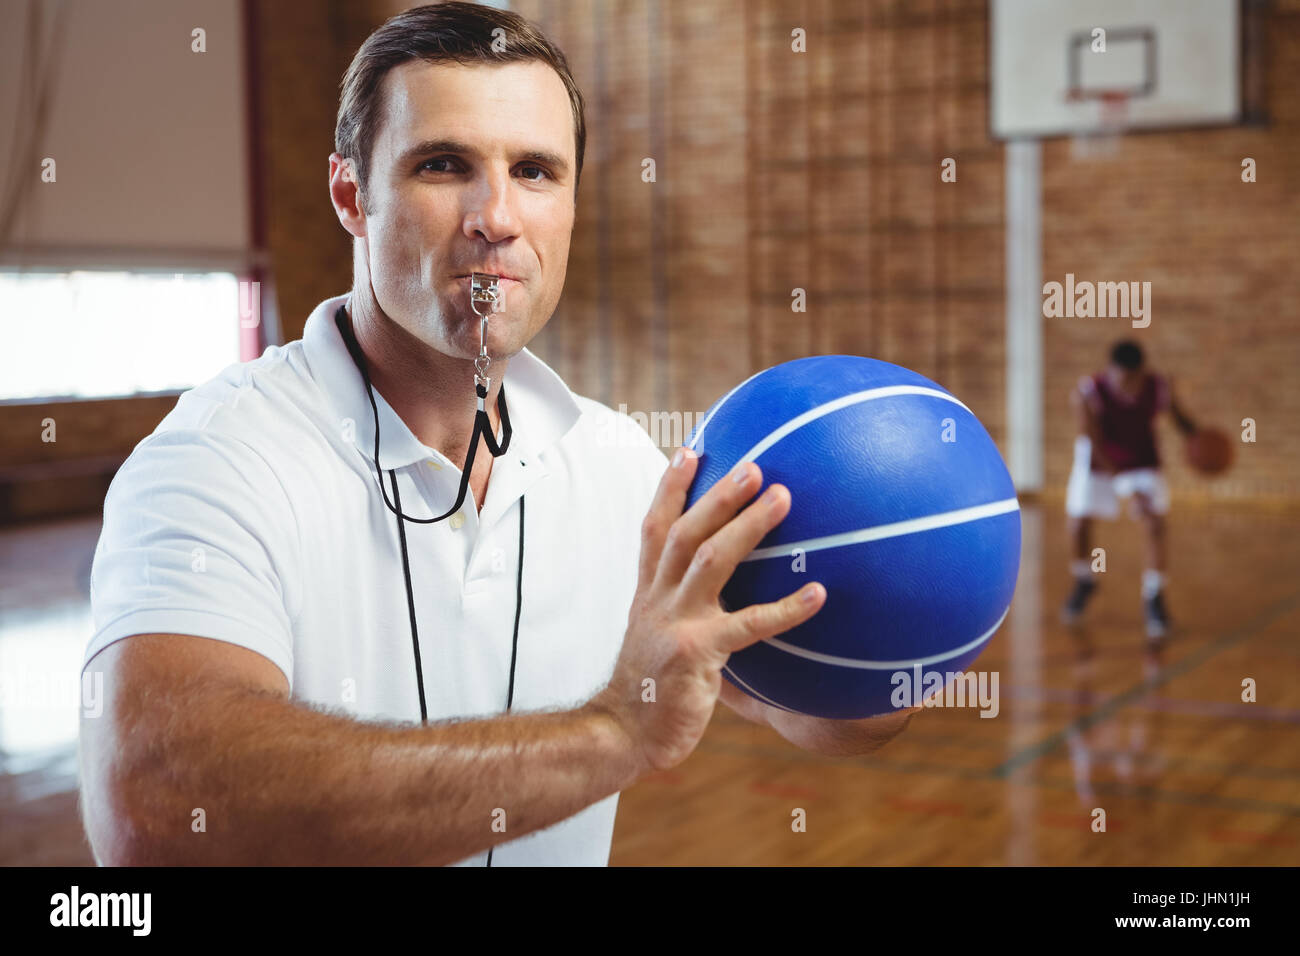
(104, 334)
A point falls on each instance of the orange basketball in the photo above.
(1209, 451)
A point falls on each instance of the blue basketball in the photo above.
(901, 507)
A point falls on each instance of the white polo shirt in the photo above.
(251, 515)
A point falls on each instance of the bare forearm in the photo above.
(280, 783)
(1182, 420)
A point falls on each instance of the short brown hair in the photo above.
(439, 32)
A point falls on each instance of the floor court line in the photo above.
(975, 742)
(1128, 791)
(1220, 709)
(1029, 754)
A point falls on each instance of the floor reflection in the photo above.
(45, 623)
(1122, 750)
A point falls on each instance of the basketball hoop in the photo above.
(1102, 120)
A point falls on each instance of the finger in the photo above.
(716, 559)
(760, 621)
(669, 500)
(717, 506)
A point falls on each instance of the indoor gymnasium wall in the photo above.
(1220, 254)
(301, 49)
(775, 171)
(820, 171)
(778, 171)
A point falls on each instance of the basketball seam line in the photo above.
(753, 692)
(886, 665)
(944, 519)
(844, 401)
(885, 391)
(705, 424)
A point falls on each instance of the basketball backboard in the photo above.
(1061, 68)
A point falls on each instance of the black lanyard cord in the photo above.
(482, 426)
(519, 603)
(410, 598)
(410, 602)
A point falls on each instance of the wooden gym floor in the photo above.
(1186, 772)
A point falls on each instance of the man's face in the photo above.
(497, 195)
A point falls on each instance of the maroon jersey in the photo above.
(1126, 422)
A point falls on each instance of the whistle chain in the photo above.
(486, 289)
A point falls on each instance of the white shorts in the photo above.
(1096, 494)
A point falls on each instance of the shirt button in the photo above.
(457, 520)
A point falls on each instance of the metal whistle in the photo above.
(485, 289)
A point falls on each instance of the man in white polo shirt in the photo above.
(297, 651)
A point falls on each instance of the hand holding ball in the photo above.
(901, 507)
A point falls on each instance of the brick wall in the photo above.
(1171, 209)
(779, 171)
(821, 171)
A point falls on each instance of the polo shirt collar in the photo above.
(542, 408)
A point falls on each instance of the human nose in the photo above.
(490, 208)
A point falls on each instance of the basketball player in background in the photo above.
(1115, 456)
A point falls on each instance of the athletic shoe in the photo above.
(1083, 588)
(1157, 616)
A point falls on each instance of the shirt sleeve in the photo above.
(199, 538)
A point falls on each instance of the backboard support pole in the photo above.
(1024, 325)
